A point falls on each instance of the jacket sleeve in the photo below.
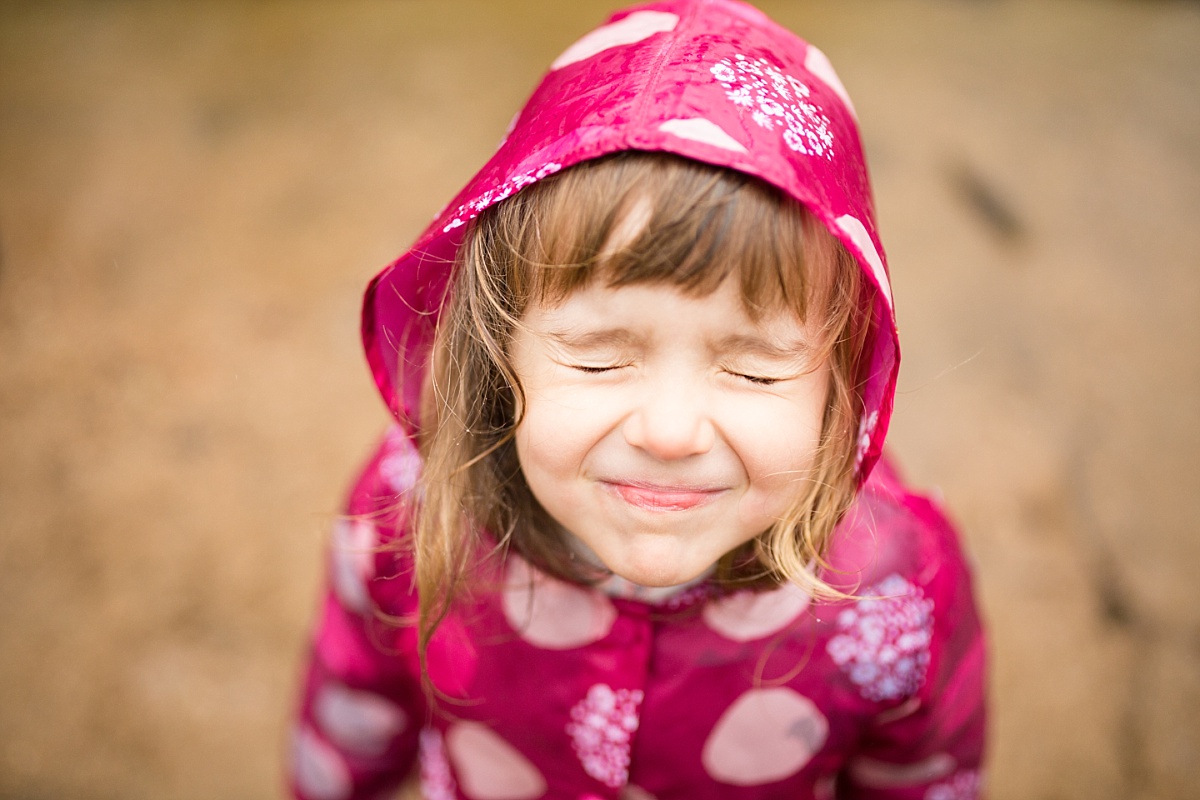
(362, 706)
(930, 746)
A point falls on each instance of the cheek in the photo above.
(563, 421)
(548, 444)
(533, 452)
(783, 460)
(541, 424)
(778, 452)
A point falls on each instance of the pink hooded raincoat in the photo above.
(562, 691)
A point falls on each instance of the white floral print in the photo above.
(470, 209)
(778, 101)
(601, 730)
(884, 644)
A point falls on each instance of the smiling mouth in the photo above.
(653, 497)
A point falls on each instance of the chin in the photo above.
(657, 574)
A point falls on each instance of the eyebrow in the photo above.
(743, 344)
(611, 337)
(758, 346)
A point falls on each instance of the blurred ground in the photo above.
(192, 197)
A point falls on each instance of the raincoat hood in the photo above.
(711, 80)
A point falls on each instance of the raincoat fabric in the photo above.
(555, 690)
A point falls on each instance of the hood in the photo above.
(711, 80)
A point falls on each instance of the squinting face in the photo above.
(664, 430)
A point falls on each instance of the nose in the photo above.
(670, 423)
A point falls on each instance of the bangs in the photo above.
(639, 218)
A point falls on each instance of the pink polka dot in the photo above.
(318, 770)
(363, 723)
(765, 736)
(746, 616)
(632, 792)
(352, 562)
(818, 64)
(401, 467)
(882, 775)
(437, 777)
(852, 226)
(699, 129)
(552, 614)
(489, 768)
(634, 28)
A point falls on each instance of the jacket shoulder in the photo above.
(892, 530)
(371, 558)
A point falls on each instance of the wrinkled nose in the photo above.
(670, 424)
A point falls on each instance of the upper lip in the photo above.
(666, 487)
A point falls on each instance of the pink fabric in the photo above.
(561, 691)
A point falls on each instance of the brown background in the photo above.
(193, 195)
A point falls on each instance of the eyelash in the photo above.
(756, 380)
(594, 370)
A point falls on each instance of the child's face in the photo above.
(664, 430)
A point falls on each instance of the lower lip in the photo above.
(657, 498)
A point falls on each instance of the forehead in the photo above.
(599, 314)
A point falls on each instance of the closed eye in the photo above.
(758, 380)
(594, 370)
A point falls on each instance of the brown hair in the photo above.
(703, 224)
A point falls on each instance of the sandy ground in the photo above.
(193, 195)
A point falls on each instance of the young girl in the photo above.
(631, 537)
